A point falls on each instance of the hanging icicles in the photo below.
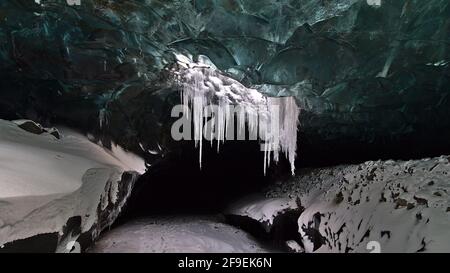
(217, 101)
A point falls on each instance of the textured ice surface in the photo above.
(44, 181)
(180, 234)
(366, 77)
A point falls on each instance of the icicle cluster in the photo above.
(273, 121)
(288, 125)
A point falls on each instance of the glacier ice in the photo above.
(211, 93)
(376, 75)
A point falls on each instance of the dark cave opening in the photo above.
(177, 185)
(314, 151)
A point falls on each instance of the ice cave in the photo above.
(224, 126)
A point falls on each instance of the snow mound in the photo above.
(382, 206)
(45, 181)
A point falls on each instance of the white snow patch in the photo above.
(180, 234)
(261, 209)
(45, 181)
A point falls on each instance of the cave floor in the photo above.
(177, 234)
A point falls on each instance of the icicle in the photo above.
(274, 119)
(103, 117)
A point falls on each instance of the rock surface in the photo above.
(273, 220)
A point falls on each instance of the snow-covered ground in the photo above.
(386, 206)
(44, 181)
(181, 234)
(261, 209)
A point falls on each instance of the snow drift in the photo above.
(45, 181)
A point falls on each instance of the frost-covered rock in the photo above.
(271, 219)
(400, 206)
(35, 128)
(263, 210)
(29, 126)
(61, 193)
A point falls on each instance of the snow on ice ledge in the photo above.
(45, 181)
(263, 210)
(211, 93)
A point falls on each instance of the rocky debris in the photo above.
(30, 126)
(35, 128)
(54, 132)
(392, 203)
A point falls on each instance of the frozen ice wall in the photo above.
(371, 80)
